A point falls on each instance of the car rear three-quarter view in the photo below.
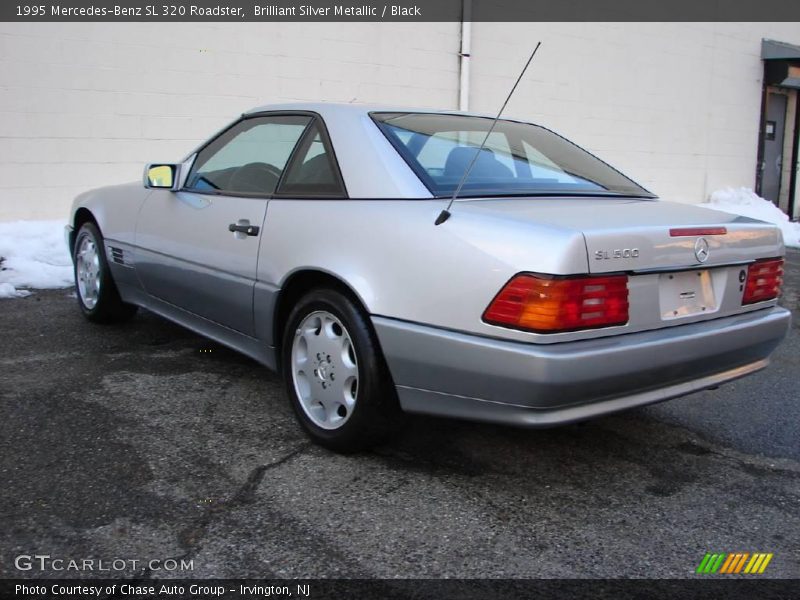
(557, 290)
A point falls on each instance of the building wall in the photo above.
(88, 104)
(675, 106)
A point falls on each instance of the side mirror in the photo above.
(160, 176)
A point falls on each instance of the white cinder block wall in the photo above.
(87, 104)
(676, 106)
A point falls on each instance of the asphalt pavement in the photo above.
(145, 442)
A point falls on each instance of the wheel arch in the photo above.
(299, 283)
(82, 215)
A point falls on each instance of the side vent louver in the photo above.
(117, 255)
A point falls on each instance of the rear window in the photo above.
(517, 159)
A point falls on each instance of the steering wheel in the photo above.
(255, 178)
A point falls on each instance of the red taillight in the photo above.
(764, 279)
(549, 304)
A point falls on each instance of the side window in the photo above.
(313, 172)
(248, 158)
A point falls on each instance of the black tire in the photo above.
(107, 306)
(376, 414)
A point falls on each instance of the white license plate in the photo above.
(686, 293)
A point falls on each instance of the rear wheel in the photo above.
(335, 374)
(97, 293)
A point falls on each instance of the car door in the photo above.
(197, 248)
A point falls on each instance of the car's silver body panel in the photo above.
(213, 280)
(426, 287)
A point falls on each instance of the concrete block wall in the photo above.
(88, 104)
(674, 105)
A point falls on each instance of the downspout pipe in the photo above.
(466, 44)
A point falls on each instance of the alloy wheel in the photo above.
(324, 370)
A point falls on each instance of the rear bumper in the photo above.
(453, 374)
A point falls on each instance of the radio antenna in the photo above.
(445, 214)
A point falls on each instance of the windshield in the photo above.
(518, 159)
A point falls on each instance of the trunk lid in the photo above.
(634, 235)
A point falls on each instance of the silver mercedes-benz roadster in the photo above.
(306, 237)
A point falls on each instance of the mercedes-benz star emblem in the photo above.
(701, 250)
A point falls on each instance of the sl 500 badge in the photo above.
(620, 253)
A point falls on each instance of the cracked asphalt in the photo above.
(145, 441)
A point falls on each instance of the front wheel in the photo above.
(335, 374)
(98, 297)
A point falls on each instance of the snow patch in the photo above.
(745, 202)
(33, 255)
(9, 291)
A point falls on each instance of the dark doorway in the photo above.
(775, 123)
(781, 85)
